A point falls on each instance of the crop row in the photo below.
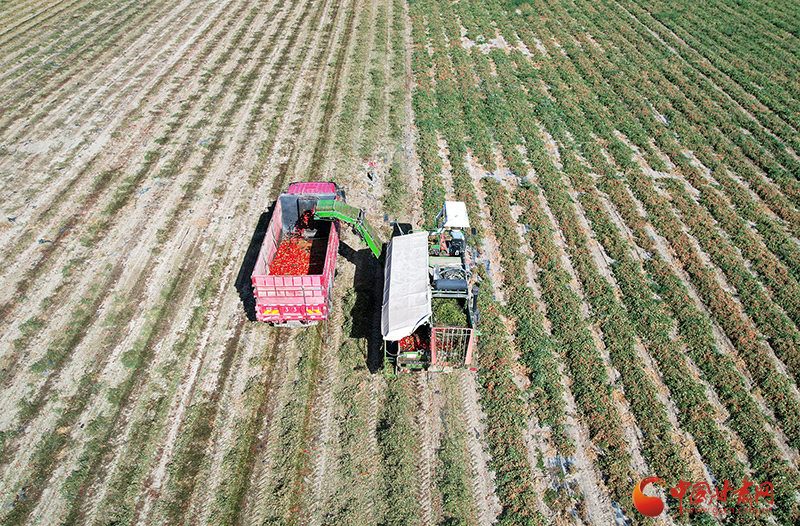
(651, 324)
(780, 331)
(510, 453)
(759, 73)
(645, 118)
(441, 99)
(727, 317)
(727, 91)
(464, 108)
(356, 84)
(619, 337)
(503, 124)
(720, 371)
(682, 102)
(618, 330)
(642, 236)
(721, 384)
(631, 165)
(537, 350)
(506, 413)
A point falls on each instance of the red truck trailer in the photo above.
(293, 275)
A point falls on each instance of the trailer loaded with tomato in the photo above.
(293, 275)
(429, 312)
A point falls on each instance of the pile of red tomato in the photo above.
(298, 256)
(293, 258)
(414, 342)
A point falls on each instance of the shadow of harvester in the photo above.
(366, 310)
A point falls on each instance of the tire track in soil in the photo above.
(29, 278)
(159, 470)
(321, 149)
(282, 355)
(332, 493)
(486, 501)
(319, 477)
(223, 377)
(378, 392)
(299, 121)
(427, 443)
(260, 475)
(438, 394)
(235, 385)
(322, 411)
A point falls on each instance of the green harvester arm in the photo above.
(331, 209)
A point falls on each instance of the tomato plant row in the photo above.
(737, 335)
(696, 330)
(652, 324)
(439, 106)
(764, 454)
(783, 335)
(585, 364)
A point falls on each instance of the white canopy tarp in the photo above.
(406, 288)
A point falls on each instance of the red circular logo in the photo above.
(650, 506)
